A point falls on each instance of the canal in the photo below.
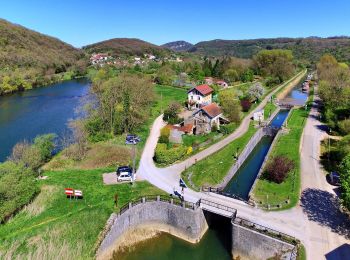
(24, 115)
(242, 182)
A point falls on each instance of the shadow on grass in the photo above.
(323, 207)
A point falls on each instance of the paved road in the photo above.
(316, 221)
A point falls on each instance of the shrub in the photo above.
(171, 113)
(245, 103)
(278, 169)
(17, 188)
(345, 181)
(344, 126)
(164, 135)
(164, 155)
(272, 81)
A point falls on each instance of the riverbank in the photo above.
(285, 91)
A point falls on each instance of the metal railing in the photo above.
(219, 206)
(265, 230)
(160, 198)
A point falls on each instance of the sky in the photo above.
(82, 22)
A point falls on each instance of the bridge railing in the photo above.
(219, 206)
(265, 230)
(161, 198)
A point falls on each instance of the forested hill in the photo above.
(29, 58)
(125, 46)
(307, 49)
(178, 46)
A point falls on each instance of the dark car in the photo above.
(334, 178)
(132, 139)
(124, 169)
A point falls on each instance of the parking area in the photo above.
(111, 179)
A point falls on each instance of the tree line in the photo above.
(19, 173)
(334, 90)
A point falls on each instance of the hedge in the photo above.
(163, 155)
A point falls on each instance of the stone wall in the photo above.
(185, 223)
(248, 243)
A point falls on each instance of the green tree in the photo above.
(345, 181)
(275, 63)
(165, 75)
(230, 105)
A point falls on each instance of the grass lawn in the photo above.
(269, 109)
(54, 227)
(288, 144)
(211, 170)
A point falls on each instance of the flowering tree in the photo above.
(256, 91)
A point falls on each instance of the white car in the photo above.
(125, 176)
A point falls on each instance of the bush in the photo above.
(228, 129)
(171, 113)
(164, 155)
(17, 188)
(344, 126)
(246, 104)
(272, 81)
(164, 135)
(278, 169)
(345, 181)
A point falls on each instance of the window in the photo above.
(199, 98)
(191, 97)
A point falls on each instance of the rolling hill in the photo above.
(305, 49)
(178, 46)
(24, 48)
(29, 59)
(125, 46)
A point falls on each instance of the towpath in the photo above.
(316, 221)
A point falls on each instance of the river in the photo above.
(24, 115)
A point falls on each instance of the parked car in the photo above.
(125, 176)
(334, 178)
(123, 169)
(132, 139)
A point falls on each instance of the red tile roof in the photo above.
(186, 128)
(212, 110)
(203, 89)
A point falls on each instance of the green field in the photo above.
(54, 227)
(211, 170)
(269, 109)
(288, 144)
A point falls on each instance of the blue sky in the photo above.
(81, 22)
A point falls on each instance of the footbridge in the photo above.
(218, 209)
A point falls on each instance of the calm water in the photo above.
(167, 247)
(279, 119)
(242, 181)
(299, 96)
(27, 114)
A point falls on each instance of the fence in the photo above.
(270, 232)
(162, 198)
(219, 206)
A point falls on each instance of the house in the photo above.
(206, 118)
(98, 58)
(209, 80)
(222, 83)
(199, 96)
(259, 116)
